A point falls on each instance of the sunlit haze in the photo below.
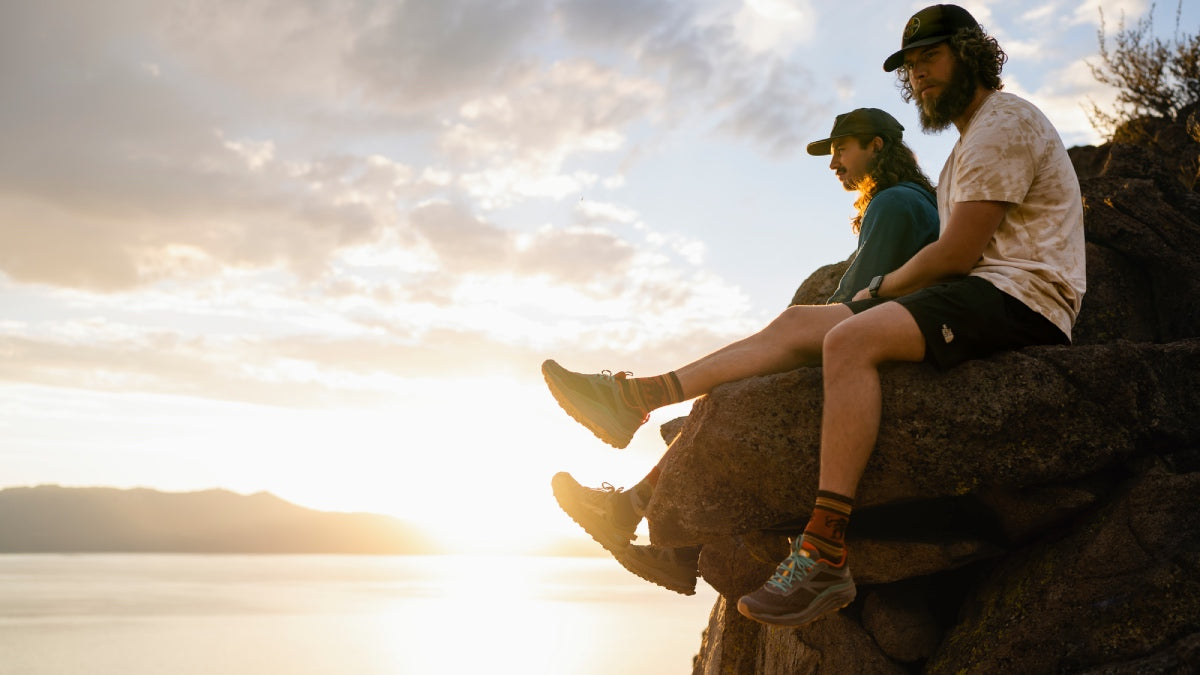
(320, 249)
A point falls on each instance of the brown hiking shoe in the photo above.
(802, 590)
(671, 568)
(606, 514)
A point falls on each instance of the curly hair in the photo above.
(974, 49)
(894, 163)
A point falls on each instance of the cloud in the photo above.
(467, 245)
(306, 203)
(776, 110)
(430, 50)
(725, 61)
(775, 25)
(1090, 11)
(157, 141)
(108, 164)
(462, 242)
(577, 255)
(625, 22)
(513, 145)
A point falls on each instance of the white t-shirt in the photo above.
(1011, 153)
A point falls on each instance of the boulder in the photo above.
(1034, 511)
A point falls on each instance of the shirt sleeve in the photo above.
(997, 162)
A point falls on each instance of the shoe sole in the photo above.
(831, 601)
(611, 544)
(603, 432)
(630, 563)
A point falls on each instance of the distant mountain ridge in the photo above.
(50, 518)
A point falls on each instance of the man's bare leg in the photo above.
(853, 352)
(815, 578)
(793, 339)
(613, 407)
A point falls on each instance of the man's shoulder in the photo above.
(903, 193)
(1004, 110)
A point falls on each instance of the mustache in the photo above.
(931, 83)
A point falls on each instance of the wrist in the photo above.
(874, 286)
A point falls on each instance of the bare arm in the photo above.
(953, 255)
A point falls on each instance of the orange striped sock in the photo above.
(651, 393)
(826, 529)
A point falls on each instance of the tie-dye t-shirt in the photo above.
(1011, 153)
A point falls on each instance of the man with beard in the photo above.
(1006, 272)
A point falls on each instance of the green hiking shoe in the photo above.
(671, 568)
(606, 514)
(596, 402)
(802, 590)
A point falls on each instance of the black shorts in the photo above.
(969, 318)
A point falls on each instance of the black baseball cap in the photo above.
(931, 25)
(860, 122)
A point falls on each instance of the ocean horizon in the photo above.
(317, 614)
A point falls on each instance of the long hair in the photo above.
(976, 51)
(894, 163)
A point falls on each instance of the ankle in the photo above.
(623, 511)
(826, 529)
(651, 393)
(639, 496)
(820, 550)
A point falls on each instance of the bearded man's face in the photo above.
(942, 87)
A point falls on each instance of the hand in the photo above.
(862, 295)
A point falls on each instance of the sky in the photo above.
(321, 248)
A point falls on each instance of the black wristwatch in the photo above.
(873, 287)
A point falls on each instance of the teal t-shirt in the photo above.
(898, 222)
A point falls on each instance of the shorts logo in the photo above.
(914, 25)
(947, 334)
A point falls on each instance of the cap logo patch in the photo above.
(914, 25)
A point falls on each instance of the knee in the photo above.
(845, 346)
(785, 326)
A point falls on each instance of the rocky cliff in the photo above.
(1031, 512)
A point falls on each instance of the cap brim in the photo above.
(824, 146)
(897, 59)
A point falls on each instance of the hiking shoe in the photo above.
(672, 568)
(606, 514)
(801, 590)
(596, 402)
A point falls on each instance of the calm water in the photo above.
(360, 615)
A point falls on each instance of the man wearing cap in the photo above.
(894, 218)
(1007, 271)
(897, 216)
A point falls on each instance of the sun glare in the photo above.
(472, 471)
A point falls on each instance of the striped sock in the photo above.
(826, 529)
(651, 393)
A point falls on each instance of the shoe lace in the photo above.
(628, 397)
(610, 375)
(793, 568)
(607, 488)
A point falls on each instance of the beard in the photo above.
(956, 96)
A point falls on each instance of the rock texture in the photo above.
(1031, 512)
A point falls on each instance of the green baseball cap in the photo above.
(931, 25)
(860, 122)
